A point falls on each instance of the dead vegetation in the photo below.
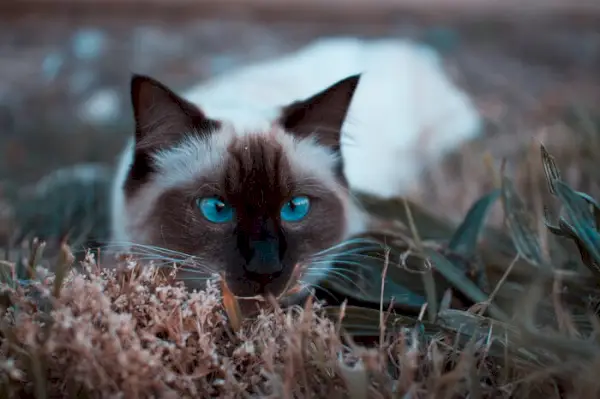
(465, 311)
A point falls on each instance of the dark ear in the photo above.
(162, 117)
(321, 115)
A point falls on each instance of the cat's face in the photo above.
(254, 205)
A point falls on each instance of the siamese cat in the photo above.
(259, 189)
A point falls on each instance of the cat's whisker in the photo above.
(334, 269)
(192, 265)
(337, 251)
(151, 252)
(340, 257)
(158, 255)
(317, 286)
(352, 283)
(130, 245)
(333, 272)
(359, 260)
(195, 267)
(351, 241)
(155, 249)
(189, 270)
(336, 265)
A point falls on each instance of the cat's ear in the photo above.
(321, 115)
(162, 117)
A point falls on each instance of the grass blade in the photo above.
(520, 225)
(551, 171)
(464, 240)
(581, 217)
(461, 282)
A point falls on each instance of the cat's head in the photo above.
(253, 204)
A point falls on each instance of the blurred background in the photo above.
(532, 67)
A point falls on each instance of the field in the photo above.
(529, 333)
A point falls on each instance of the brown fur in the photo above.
(161, 117)
(256, 181)
(257, 250)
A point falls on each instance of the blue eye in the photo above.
(215, 210)
(295, 209)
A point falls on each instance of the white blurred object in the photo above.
(405, 115)
(102, 107)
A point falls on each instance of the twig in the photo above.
(428, 280)
(498, 285)
(381, 318)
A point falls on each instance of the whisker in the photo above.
(193, 265)
(351, 241)
(334, 264)
(334, 272)
(196, 268)
(354, 285)
(192, 270)
(336, 269)
(317, 286)
(151, 252)
(349, 252)
(347, 279)
(357, 256)
(152, 248)
(150, 256)
(350, 262)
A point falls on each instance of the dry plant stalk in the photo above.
(231, 305)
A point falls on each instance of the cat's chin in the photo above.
(292, 290)
(243, 288)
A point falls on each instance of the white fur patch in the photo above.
(405, 115)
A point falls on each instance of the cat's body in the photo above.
(263, 142)
(405, 115)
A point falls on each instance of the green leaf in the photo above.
(520, 225)
(582, 218)
(569, 231)
(595, 206)
(551, 171)
(461, 283)
(464, 240)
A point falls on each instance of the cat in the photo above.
(252, 174)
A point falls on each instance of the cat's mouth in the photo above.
(292, 288)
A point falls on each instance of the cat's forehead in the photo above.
(245, 155)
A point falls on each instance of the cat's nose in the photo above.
(265, 258)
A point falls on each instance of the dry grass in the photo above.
(131, 332)
(514, 320)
